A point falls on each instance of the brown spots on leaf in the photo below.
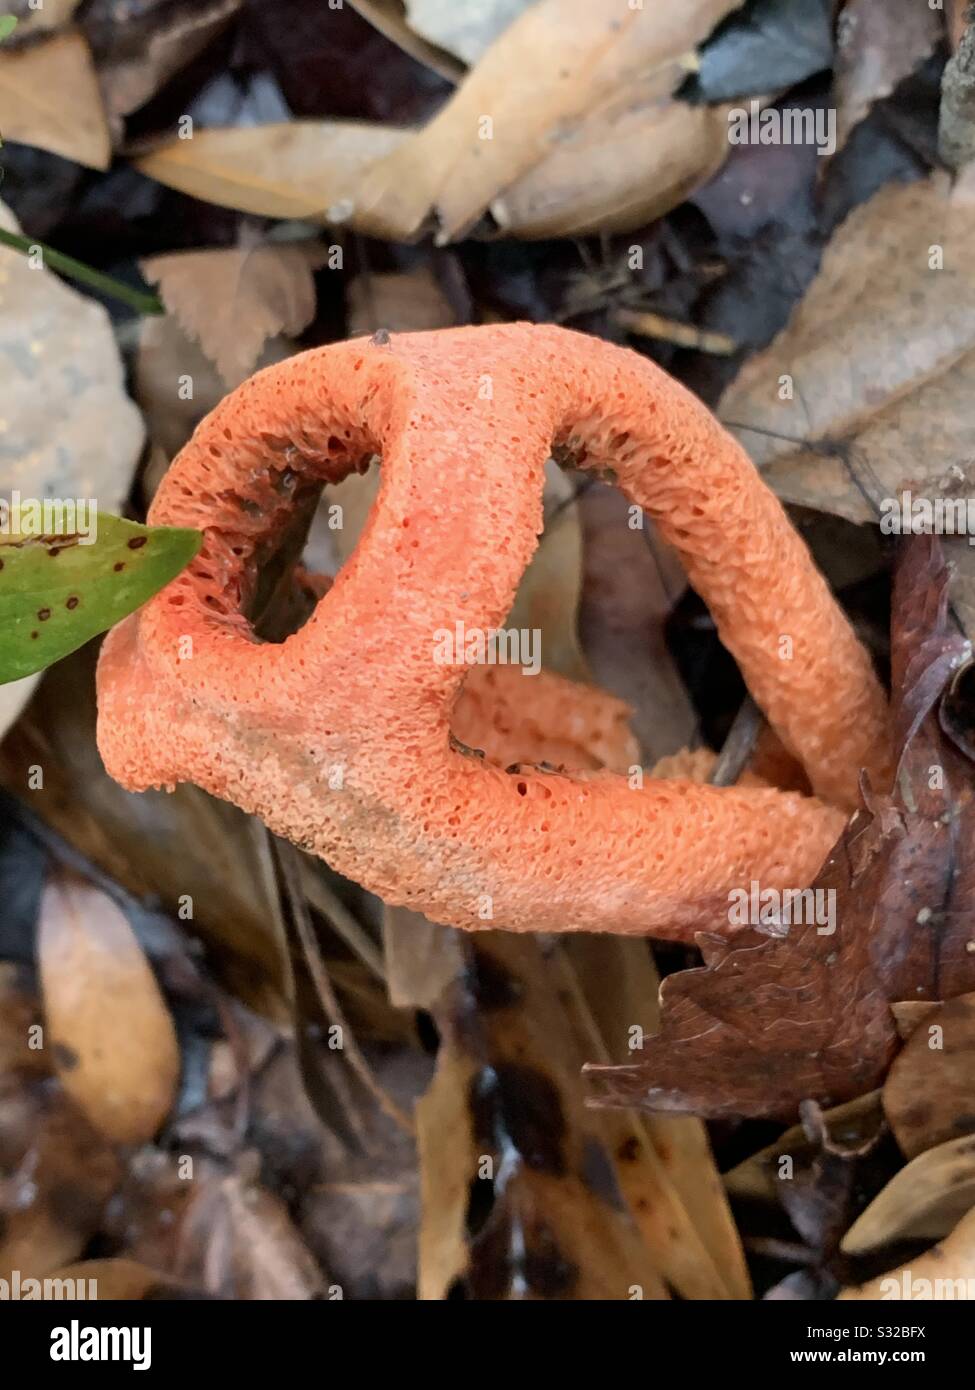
(72, 602)
(119, 566)
(137, 542)
(43, 614)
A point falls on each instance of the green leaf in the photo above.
(8, 23)
(57, 591)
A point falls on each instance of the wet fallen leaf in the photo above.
(49, 97)
(231, 301)
(770, 1022)
(924, 1201)
(58, 591)
(928, 1094)
(945, 1271)
(110, 1032)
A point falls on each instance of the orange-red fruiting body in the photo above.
(339, 737)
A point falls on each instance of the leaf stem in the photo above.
(140, 300)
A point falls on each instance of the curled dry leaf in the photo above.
(13, 698)
(49, 97)
(924, 1201)
(110, 1032)
(928, 1094)
(231, 301)
(772, 1021)
(945, 1271)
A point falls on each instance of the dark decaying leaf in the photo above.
(57, 591)
(769, 46)
(769, 1023)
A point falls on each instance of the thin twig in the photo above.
(142, 301)
(739, 745)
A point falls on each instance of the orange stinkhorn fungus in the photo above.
(338, 738)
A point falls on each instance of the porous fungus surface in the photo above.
(339, 737)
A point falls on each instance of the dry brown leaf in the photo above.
(49, 97)
(924, 1201)
(402, 301)
(928, 1094)
(232, 300)
(882, 355)
(21, 1053)
(165, 358)
(878, 43)
(666, 1169)
(111, 1034)
(135, 59)
(238, 1241)
(630, 585)
(118, 1279)
(300, 169)
(850, 1126)
(58, 1175)
(137, 839)
(617, 170)
(504, 1125)
(560, 61)
(945, 1271)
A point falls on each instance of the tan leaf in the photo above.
(49, 97)
(560, 61)
(923, 1201)
(114, 1280)
(945, 1271)
(401, 301)
(928, 1092)
(142, 54)
(232, 300)
(110, 1032)
(13, 698)
(617, 170)
(881, 352)
(300, 169)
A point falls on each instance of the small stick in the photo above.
(739, 745)
(649, 325)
